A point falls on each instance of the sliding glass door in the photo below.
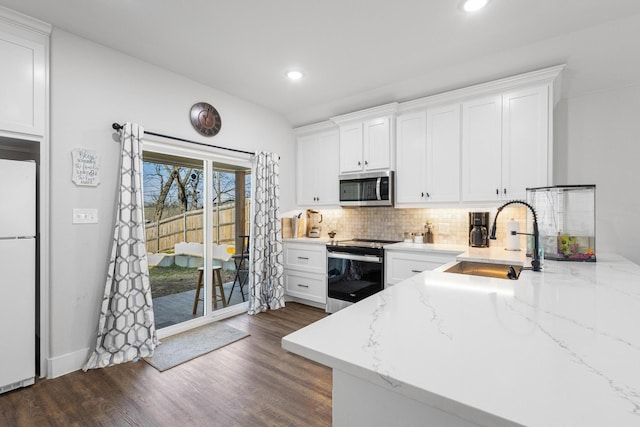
(196, 214)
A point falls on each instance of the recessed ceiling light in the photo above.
(474, 5)
(294, 75)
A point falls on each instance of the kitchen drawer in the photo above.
(310, 258)
(312, 287)
(402, 265)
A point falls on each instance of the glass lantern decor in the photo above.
(566, 221)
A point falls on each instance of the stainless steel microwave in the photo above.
(367, 189)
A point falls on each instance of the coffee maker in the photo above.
(478, 232)
(313, 223)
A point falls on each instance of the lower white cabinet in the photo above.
(308, 286)
(400, 265)
(305, 272)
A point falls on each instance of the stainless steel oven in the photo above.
(355, 271)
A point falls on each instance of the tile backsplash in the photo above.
(450, 226)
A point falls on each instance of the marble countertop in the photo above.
(426, 247)
(559, 347)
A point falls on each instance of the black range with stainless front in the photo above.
(355, 271)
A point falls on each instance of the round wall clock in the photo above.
(205, 119)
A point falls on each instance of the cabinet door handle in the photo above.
(303, 286)
(303, 257)
(416, 271)
(497, 192)
(366, 163)
(504, 190)
(428, 195)
(422, 194)
(359, 164)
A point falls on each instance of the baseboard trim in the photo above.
(67, 363)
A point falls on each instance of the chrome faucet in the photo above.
(535, 257)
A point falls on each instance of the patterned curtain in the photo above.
(126, 329)
(266, 254)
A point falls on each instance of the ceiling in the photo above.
(359, 53)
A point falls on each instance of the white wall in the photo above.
(91, 87)
(598, 142)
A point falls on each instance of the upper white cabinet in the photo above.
(481, 149)
(526, 141)
(367, 140)
(411, 154)
(428, 156)
(317, 163)
(506, 143)
(23, 75)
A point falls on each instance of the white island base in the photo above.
(359, 403)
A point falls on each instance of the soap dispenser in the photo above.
(428, 233)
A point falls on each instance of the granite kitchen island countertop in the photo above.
(560, 347)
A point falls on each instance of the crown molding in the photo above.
(18, 19)
(369, 113)
(327, 125)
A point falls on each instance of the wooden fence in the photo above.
(163, 235)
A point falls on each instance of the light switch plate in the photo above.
(85, 216)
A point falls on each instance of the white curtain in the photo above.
(126, 329)
(266, 254)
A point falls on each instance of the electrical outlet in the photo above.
(85, 216)
(443, 228)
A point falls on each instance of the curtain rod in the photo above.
(118, 127)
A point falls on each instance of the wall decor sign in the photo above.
(86, 165)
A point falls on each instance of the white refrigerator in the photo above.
(17, 274)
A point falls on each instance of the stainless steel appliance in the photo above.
(478, 232)
(355, 271)
(367, 189)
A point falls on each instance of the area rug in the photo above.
(188, 345)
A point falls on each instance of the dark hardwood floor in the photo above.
(252, 382)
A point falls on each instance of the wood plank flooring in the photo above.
(252, 382)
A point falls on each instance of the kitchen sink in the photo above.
(486, 269)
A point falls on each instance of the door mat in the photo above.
(188, 345)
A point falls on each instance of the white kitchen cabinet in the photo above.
(428, 156)
(317, 169)
(351, 148)
(506, 144)
(411, 154)
(306, 286)
(23, 81)
(367, 139)
(400, 265)
(365, 146)
(525, 141)
(482, 149)
(305, 272)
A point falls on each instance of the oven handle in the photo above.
(365, 258)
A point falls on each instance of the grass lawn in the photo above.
(175, 279)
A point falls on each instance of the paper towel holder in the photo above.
(513, 236)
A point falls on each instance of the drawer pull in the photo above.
(303, 257)
(416, 271)
(303, 286)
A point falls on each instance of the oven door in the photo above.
(354, 277)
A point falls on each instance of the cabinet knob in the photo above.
(366, 163)
(359, 164)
